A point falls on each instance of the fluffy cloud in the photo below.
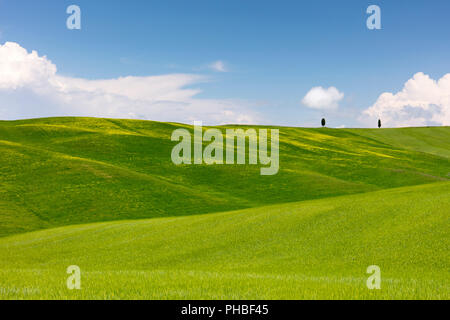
(218, 66)
(31, 87)
(422, 101)
(18, 68)
(323, 99)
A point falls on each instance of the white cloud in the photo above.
(31, 87)
(218, 66)
(18, 68)
(321, 98)
(422, 101)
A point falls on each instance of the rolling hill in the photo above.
(103, 194)
(63, 171)
(315, 249)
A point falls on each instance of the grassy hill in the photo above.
(305, 250)
(63, 171)
(106, 196)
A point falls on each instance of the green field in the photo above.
(103, 194)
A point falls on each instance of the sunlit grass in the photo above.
(63, 171)
(307, 250)
(104, 194)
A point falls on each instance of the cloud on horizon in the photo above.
(422, 101)
(31, 87)
(323, 99)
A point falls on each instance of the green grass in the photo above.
(103, 194)
(64, 171)
(306, 250)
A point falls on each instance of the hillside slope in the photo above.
(63, 171)
(318, 249)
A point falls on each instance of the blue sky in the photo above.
(273, 53)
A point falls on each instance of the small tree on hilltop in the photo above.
(379, 123)
(323, 122)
